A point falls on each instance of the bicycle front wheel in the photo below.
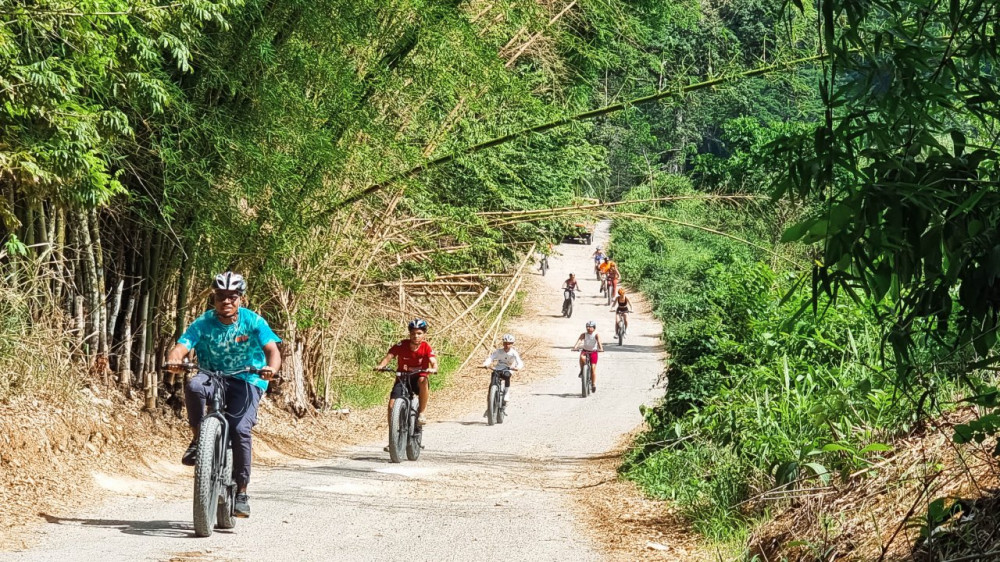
(492, 404)
(206, 484)
(585, 380)
(398, 430)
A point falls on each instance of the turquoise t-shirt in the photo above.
(232, 347)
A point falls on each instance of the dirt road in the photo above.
(477, 492)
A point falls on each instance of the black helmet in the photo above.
(417, 324)
(230, 281)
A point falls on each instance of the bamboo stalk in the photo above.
(125, 359)
(421, 284)
(467, 309)
(101, 304)
(535, 37)
(516, 283)
(441, 280)
(556, 210)
(543, 127)
(712, 231)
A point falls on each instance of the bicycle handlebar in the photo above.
(192, 367)
(401, 373)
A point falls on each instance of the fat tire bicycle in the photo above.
(214, 486)
(569, 295)
(405, 434)
(496, 407)
(620, 326)
(585, 372)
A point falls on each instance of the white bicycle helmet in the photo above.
(229, 281)
(591, 324)
(508, 338)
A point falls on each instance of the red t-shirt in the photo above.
(409, 360)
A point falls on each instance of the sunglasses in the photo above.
(224, 298)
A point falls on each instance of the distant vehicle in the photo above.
(582, 232)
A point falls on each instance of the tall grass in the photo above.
(36, 353)
(765, 391)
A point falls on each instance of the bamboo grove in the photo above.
(144, 146)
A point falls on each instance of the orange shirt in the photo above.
(604, 267)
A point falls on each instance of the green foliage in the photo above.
(905, 165)
(763, 391)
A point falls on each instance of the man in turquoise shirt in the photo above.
(229, 338)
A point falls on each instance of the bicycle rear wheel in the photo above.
(585, 380)
(414, 438)
(206, 488)
(398, 430)
(225, 518)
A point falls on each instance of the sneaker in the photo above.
(421, 419)
(188, 459)
(386, 448)
(593, 388)
(242, 506)
(506, 398)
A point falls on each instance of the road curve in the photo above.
(477, 492)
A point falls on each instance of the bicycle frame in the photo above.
(498, 379)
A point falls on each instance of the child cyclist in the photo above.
(507, 359)
(622, 306)
(412, 354)
(590, 343)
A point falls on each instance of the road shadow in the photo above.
(562, 395)
(167, 529)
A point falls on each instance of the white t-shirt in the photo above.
(590, 341)
(505, 359)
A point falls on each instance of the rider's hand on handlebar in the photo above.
(174, 367)
(267, 374)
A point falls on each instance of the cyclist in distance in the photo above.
(622, 306)
(591, 344)
(614, 276)
(228, 338)
(570, 283)
(599, 258)
(507, 359)
(412, 354)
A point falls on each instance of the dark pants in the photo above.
(242, 399)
